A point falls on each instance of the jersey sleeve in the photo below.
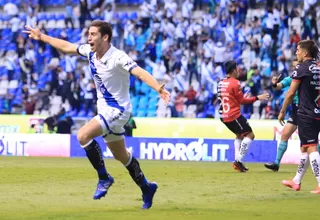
(286, 82)
(125, 62)
(84, 50)
(299, 73)
(239, 95)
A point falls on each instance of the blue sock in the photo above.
(280, 151)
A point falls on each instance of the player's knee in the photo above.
(250, 135)
(285, 135)
(83, 138)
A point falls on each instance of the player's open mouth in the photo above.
(91, 44)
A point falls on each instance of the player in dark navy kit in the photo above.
(306, 79)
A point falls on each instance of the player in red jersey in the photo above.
(230, 99)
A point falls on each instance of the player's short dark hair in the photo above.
(104, 28)
(230, 66)
(311, 47)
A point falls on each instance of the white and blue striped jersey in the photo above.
(111, 75)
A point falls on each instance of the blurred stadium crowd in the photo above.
(182, 43)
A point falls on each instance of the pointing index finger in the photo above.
(279, 76)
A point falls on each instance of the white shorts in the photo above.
(112, 121)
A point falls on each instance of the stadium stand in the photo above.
(181, 43)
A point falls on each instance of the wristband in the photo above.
(274, 85)
(257, 98)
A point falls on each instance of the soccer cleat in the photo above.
(103, 187)
(237, 165)
(148, 196)
(291, 184)
(272, 166)
(245, 168)
(316, 191)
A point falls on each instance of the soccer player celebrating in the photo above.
(110, 69)
(306, 80)
(291, 125)
(230, 97)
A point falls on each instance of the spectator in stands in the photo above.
(10, 8)
(170, 7)
(54, 83)
(64, 125)
(31, 19)
(11, 64)
(158, 69)
(69, 14)
(182, 45)
(89, 94)
(179, 104)
(294, 39)
(186, 9)
(84, 13)
(30, 105)
(145, 14)
(191, 95)
(15, 26)
(179, 80)
(314, 26)
(202, 99)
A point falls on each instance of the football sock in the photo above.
(280, 151)
(315, 162)
(136, 174)
(95, 157)
(245, 144)
(302, 168)
(237, 143)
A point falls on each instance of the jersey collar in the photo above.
(106, 56)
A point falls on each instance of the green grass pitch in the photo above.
(62, 188)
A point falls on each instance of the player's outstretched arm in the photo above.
(57, 43)
(152, 82)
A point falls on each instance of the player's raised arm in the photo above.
(57, 43)
(275, 83)
(152, 82)
(242, 99)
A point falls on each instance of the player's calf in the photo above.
(131, 163)
(148, 188)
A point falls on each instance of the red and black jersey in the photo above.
(230, 97)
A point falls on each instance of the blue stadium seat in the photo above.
(134, 112)
(141, 113)
(60, 16)
(137, 85)
(135, 101)
(152, 107)
(143, 102)
(144, 88)
(51, 17)
(133, 15)
(123, 2)
(153, 94)
(151, 113)
(123, 16)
